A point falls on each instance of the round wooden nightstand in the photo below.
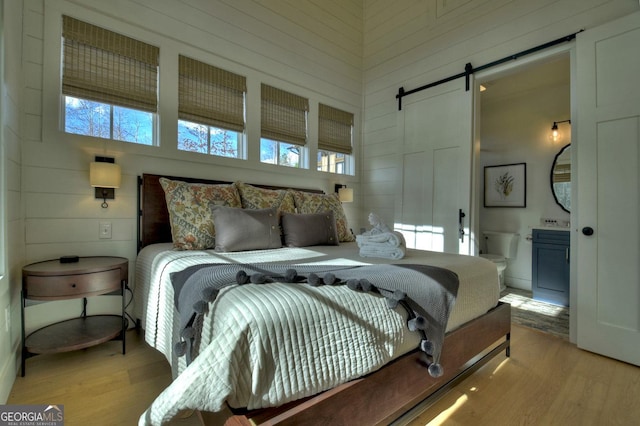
(88, 276)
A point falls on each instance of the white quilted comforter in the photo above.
(266, 345)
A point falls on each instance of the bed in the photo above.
(383, 388)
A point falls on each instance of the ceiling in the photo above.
(553, 72)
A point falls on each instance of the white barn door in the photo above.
(608, 203)
(436, 168)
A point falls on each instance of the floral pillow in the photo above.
(253, 197)
(307, 202)
(190, 214)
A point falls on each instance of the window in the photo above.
(109, 83)
(211, 109)
(89, 118)
(205, 139)
(335, 136)
(280, 153)
(283, 127)
(333, 162)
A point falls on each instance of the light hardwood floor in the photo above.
(546, 381)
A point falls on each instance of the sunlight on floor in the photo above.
(441, 418)
(527, 304)
(502, 364)
(444, 416)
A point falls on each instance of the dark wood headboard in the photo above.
(153, 221)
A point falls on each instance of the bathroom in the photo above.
(517, 114)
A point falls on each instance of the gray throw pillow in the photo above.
(313, 229)
(245, 229)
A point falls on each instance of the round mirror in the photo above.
(561, 178)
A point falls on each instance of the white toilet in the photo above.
(500, 247)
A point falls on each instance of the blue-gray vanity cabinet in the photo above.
(550, 266)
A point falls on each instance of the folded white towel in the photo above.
(387, 245)
(391, 239)
(382, 251)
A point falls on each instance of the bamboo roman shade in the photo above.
(104, 66)
(284, 116)
(562, 173)
(334, 130)
(210, 95)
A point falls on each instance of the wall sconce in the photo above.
(555, 133)
(345, 195)
(105, 176)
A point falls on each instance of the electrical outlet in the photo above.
(105, 230)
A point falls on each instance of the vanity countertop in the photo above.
(551, 228)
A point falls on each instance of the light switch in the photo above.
(105, 230)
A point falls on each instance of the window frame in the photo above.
(284, 120)
(302, 156)
(345, 164)
(241, 141)
(213, 97)
(335, 130)
(115, 60)
(63, 122)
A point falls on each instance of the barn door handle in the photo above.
(461, 217)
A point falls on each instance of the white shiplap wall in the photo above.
(12, 232)
(312, 48)
(315, 48)
(410, 43)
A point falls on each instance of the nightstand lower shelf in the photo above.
(86, 277)
(74, 334)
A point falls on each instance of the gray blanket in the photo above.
(428, 297)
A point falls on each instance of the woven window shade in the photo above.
(104, 66)
(562, 173)
(210, 95)
(284, 116)
(334, 130)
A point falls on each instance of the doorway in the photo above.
(516, 110)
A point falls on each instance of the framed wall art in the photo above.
(505, 185)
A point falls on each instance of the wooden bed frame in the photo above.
(392, 395)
